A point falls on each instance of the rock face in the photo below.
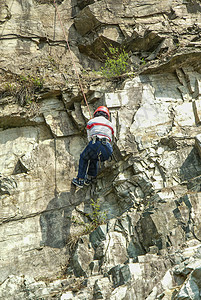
(143, 240)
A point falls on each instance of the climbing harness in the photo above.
(103, 142)
(73, 61)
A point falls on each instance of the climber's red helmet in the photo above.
(103, 109)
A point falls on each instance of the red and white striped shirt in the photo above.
(100, 127)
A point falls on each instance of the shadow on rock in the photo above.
(55, 221)
(191, 168)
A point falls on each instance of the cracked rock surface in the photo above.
(145, 242)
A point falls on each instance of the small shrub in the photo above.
(10, 88)
(23, 88)
(96, 218)
(116, 63)
(29, 85)
(143, 61)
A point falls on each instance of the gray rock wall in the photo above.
(149, 245)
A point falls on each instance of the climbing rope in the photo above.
(73, 61)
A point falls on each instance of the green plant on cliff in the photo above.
(116, 63)
(10, 88)
(29, 85)
(96, 217)
(23, 88)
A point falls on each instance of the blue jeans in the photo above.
(90, 156)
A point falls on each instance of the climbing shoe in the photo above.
(78, 182)
(88, 180)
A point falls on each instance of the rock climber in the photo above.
(99, 132)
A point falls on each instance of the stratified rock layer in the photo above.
(149, 194)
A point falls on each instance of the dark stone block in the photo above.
(120, 275)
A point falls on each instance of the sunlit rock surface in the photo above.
(149, 245)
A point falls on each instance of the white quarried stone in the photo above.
(10, 110)
(185, 93)
(197, 93)
(197, 111)
(160, 150)
(113, 34)
(119, 293)
(135, 270)
(191, 78)
(153, 294)
(14, 143)
(117, 99)
(166, 88)
(112, 100)
(102, 288)
(184, 115)
(51, 104)
(148, 94)
(67, 296)
(173, 160)
(86, 112)
(37, 19)
(190, 251)
(18, 287)
(166, 194)
(158, 182)
(9, 286)
(149, 115)
(24, 245)
(60, 123)
(141, 258)
(115, 250)
(57, 118)
(136, 82)
(167, 281)
(83, 256)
